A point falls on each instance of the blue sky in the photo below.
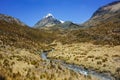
(31, 11)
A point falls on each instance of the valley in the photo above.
(96, 57)
(62, 50)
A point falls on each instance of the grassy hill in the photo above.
(23, 36)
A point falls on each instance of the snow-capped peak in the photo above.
(62, 21)
(49, 15)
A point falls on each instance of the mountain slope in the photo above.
(14, 33)
(10, 19)
(20, 48)
(106, 30)
(69, 25)
(19, 44)
(109, 12)
(47, 21)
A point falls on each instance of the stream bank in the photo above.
(79, 69)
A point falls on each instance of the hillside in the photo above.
(102, 28)
(49, 22)
(15, 34)
(107, 13)
(104, 34)
(20, 49)
(95, 46)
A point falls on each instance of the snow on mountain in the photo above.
(62, 21)
(49, 15)
(47, 21)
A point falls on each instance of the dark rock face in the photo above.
(2, 78)
(47, 21)
(109, 12)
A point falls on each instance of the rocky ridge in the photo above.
(109, 12)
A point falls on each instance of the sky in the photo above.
(31, 11)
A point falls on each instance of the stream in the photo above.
(79, 69)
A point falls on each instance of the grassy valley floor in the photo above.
(96, 57)
(21, 64)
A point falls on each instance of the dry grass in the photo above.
(19, 61)
(21, 64)
(100, 58)
(25, 37)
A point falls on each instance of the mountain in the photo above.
(47, 21)
(51, 23)
(20, 46)
(102, 28)
(11, 19)
(69, 25)
(20, 49)
(109, 12)
(15, 33)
